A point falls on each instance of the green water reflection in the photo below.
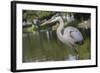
(40, 46)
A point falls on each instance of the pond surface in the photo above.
(45, 46)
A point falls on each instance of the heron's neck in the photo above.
(59, 29)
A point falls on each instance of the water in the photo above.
(44, 46)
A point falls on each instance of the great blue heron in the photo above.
(69, 35)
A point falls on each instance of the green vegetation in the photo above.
(30, 15)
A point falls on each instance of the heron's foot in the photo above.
(77, 56)
(71, 57)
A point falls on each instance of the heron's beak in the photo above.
(52, 20)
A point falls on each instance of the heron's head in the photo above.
(53, 19)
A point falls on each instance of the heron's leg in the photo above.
(73, 55)
(77, 52)
(73, 51)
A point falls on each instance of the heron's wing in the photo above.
(68, 33)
